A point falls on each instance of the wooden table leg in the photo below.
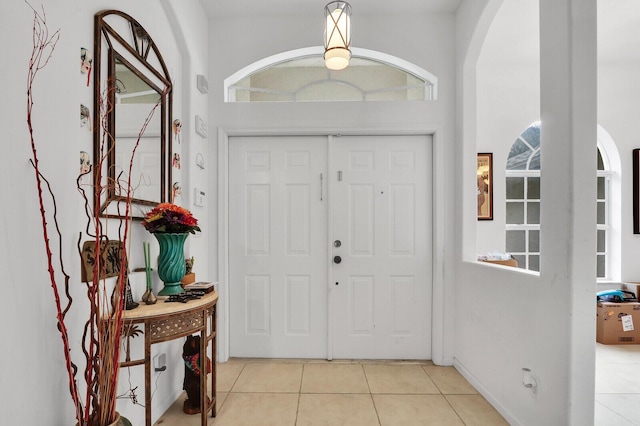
(147, 376)
(204, 405)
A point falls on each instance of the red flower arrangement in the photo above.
(167, 218)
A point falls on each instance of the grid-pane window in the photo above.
(603, 220)
(523, 199)
(522, 193)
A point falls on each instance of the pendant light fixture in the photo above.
(337, 35)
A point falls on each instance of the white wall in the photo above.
(508, 93)
(33, 370)
(510, 319)
(618, 109)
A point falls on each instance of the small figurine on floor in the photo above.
(192, 370)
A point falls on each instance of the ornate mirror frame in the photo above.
(121, 43)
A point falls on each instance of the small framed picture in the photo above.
(485, 186)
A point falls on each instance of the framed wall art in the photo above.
(636, 191)
(485, 186)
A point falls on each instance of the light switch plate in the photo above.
(201, 127)
(202, 84)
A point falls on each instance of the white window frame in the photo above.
(431, 81)
(609, 174)
(606, 174)
(523, 226)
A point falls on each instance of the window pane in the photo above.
(601, 187)
(533, 188)
(534, 263)
(533, 212)
(534, 164)
(601, 213)
(307, 79)
(532, 135)
(328, 91)
(244, 95)
(515, 188)
(600, 162)
(515, 213)
(518, 156)
(534, 241)
(602, 241)
(515, 241)
(601, 266)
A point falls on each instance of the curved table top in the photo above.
(162, 308)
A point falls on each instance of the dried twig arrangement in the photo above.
(103, 329)
(43, 47)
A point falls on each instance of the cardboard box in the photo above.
(188, 279)
(510, 262)
(634, 287)
(609, 323)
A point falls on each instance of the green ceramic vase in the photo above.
(171, 266)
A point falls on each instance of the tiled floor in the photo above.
(367, 393)
(285, 392)
(617, 385)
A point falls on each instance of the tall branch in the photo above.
(43, 47)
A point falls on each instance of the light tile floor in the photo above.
(367, 393)
(617, 400)
(285, 392)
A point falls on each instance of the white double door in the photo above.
(330, 247)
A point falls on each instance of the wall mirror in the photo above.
(132, 118)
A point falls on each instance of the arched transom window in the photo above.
(301, 76)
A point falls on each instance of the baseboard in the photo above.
(164, 405)
(485, 393)
(443, 362)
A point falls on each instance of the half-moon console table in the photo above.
(167, 321)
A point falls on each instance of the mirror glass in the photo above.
(133, 136)
(134, 101)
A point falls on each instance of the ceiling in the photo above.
(218, 9)
(618, 20)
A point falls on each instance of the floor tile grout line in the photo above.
(297, 409)
(454, 410)
(301, 378)
(432, 381)
(219, 407)
(373, 401)
(237, 377)
(366, 378)
(299, 393)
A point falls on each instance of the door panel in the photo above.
(282, 272)
(277, 247)
(381, 211)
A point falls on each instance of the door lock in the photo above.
(337, 243)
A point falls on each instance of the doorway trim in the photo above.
(441, 355)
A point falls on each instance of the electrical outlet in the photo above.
(160, 362)
(530, 381)
(198, 199)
